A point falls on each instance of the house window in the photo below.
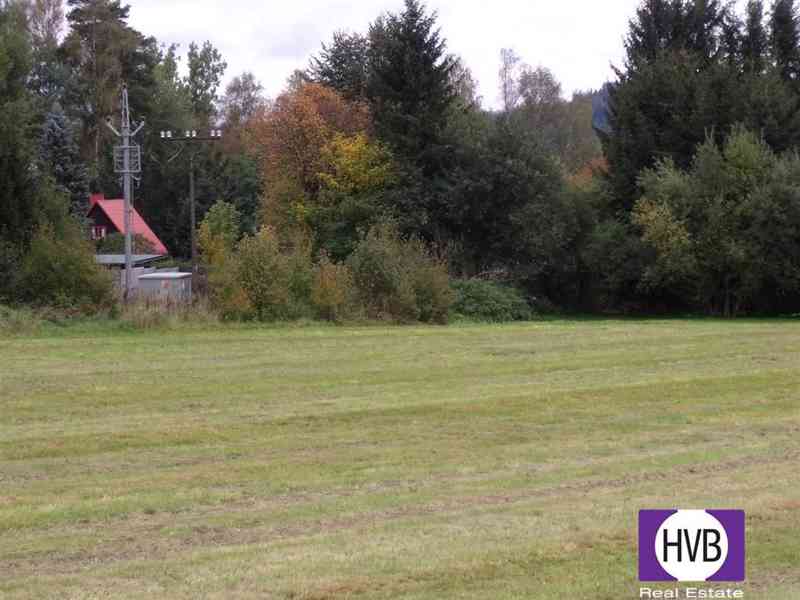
(98, 232)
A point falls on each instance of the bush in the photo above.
(434, 294)
(222, 221)
(382, 277)
(61, 271)
(298, 253)
(221, 266)
(10, 260)
(399, 279)
(225, 290)
(490, 302)
(333, 292)
(277, 281)
(18, 321)
(386, 278)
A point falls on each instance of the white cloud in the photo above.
(577, 39)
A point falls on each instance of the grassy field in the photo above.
(464, 462)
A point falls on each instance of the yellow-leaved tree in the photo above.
(322, 170)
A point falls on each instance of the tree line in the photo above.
(672, 189)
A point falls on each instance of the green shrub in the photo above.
(223, 221)
(276, 280)
(221, 266)
(10, 260)
(60, 270)
(490, 302)
(399, 279)
(434, 294)
(382, 276)
(225, 290)
(298, 253)
(334, 292)
(16, 321)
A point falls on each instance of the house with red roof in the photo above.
(108, 216)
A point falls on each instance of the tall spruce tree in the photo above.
(410, 85)
(695, 26)
(655, 28)
(411, 91)
(60, 157)
(785, 39)
(343, 65)
(680, 82)
(755, 41)
(704, 24)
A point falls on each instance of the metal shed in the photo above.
(118, 260)
(116, 263)
(166, 287)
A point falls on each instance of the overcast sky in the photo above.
(577, 39)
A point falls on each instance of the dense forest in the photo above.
(379, 172)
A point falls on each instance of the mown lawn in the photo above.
(465, 462)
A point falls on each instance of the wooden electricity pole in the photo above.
(190, 139)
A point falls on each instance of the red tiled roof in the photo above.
(115, 211)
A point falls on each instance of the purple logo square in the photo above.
(692, 545)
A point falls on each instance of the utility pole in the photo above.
(193, 216)
(127, 162)
(189, 139)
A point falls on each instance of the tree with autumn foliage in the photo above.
(318, 162)
(355, 173)
(289, 139)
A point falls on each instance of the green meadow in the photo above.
(477, 462)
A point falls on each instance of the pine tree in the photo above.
(410, 84)
(731, 40)
(785, 39)
(654, 29)
(704, 24)
(696, 26)
(683, 79)
(342, 65)
(755, 42)
(103, 52)
(60, 157)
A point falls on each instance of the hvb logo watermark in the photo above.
(692, 545)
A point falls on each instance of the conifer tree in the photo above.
(785, 39)
(755, 42)
(695, 26)
(342, 65)
(60, 157)
(410, 84)
(103, 52)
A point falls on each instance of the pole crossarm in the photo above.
(214, 135)
(186, 139)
